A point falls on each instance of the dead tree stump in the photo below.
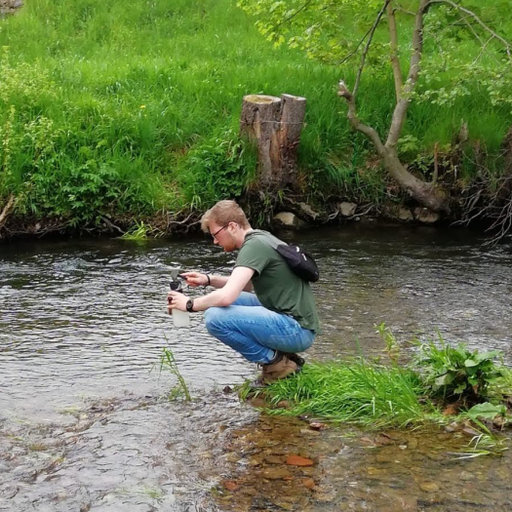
(274, 125)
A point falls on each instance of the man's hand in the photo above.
(176, 300)
(195, 278)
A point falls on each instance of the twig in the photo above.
(470, 13)
(294, 14)
(367, 47)
(109, 223)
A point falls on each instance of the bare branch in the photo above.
(354, 51)
(294, 14)
(473, 15)
(367, 46)
(410, 83)
(370, 132)
(395, 61)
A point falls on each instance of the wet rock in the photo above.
(429, 487)
(405, 215)
(308, 483)
(278, 473)
(297, 460)
(347, 209)
(426, 216)
(412, 443)
(310, 433)
(308, 210)
(289, 220)
(230, 485)
(274, 459)
(324, 494)
(466, 476)
(284, 505)
(317, 425)
(384, 457)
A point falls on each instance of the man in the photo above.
(267, 327)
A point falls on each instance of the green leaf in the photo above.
(486, 410)
(445, 380)
(460, 388)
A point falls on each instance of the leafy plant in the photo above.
(219, 168)
(392, 346)
(138, 233)
(168, 361)
(456, 373)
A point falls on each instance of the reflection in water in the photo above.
(83, 424)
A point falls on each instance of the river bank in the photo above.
(144, 137)
(294, 215)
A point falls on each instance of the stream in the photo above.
(87, 424)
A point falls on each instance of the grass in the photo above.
(440, 385)
(354, 392)
(168, 362)
(109, 111)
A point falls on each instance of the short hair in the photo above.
(223, 213)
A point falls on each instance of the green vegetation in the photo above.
(440, 385)
(168, 362)
(112, 113)
(455, 373)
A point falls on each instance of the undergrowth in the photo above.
(441, 384)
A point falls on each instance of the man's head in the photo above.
(227, 224)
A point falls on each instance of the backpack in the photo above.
(299, 261)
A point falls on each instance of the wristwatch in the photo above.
(189, 305)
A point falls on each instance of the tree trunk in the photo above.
(427, 194)
(274, 125)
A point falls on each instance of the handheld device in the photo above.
(176, 283)
(180, 318)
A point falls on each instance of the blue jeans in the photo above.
(256, 332)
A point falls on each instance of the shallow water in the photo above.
(85, 424)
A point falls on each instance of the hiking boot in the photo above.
(281, 367)
(299, 361)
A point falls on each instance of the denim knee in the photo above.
(211, 319)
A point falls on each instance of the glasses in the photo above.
(214, 235)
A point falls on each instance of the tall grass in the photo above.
(120, 109)
(355, 392)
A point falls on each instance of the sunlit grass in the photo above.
(135, 94)
(354, 392)
(475, 385)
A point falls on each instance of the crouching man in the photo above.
(262, 309)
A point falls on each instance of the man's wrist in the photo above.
(208, 280)
(190, 306)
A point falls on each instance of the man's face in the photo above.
(222, 235)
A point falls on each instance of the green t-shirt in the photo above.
(276, 286)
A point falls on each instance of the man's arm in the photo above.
(202, 279)
(237, 282)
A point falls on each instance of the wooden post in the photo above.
(274, 125)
